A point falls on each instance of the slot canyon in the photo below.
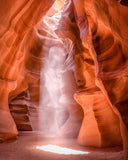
(64, 79)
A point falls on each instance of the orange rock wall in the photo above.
(17, 18)
(103, 30)
(98, 30)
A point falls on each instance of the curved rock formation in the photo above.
(103, 31)
(17, 18)
(89, 96)
(57, 80)
(98, 32)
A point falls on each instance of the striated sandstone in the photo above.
(17, 18)
(98, 31)
(105, 28)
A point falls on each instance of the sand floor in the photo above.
(24, 148)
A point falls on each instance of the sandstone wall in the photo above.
(17, 18)
(98, 30)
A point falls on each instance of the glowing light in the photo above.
(60, 150)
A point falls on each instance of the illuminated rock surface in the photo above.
(97, 32)
(17, 18)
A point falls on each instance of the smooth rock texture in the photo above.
(17, 18)
(7, 125)
(98, 33)
(97, 130)
(103, 31)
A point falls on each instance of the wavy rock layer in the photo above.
(17, 18)
(19, 108)
(98, 30)
(103, 31)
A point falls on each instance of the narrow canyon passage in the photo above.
(57, 114)
(57, 67)
(64, 79)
